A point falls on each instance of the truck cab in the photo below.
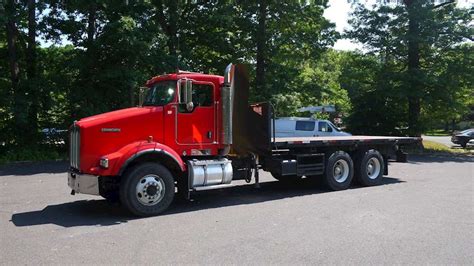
(180, 128)
(181, 123)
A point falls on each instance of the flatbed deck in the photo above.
(288, 142)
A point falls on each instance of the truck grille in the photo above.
(74, 147)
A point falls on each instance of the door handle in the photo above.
(209, 134)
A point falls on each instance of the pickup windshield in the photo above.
(161, 93)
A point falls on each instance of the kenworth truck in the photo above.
(197, 131)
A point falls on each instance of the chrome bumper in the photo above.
(81, 183)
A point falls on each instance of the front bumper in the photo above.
(83, 183)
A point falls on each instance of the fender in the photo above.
(119, 160)
(158, 149)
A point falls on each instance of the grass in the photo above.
(437, 133)
(31, 155)
(434, 147)
(431, 147)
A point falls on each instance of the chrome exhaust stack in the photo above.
(227, 99)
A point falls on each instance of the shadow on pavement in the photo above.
(440, 158)
(77, 213)
(29, 168)
(100, 212)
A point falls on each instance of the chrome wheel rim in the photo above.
(373, 168)
(150, 190)
(341, 170)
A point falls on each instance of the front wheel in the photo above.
(339, 171)
(147, 189)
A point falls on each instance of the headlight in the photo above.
(104, 162)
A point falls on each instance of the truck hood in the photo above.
(109, 132)
(116, 116)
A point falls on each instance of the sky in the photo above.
(338, 13)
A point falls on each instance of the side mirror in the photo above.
(188, 95)
(141, 95)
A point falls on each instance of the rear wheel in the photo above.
(147, 189)
(339, 171)
(370, 168)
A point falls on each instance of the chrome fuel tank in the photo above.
(209, 172)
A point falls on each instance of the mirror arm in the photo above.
(141, 95)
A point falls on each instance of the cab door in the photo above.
(196, 126)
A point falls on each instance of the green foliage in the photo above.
(384, 84)
(374, 90)
(103, 51)
(288, 104)
(318, 83)
(450, 91)
(30, 154)
(114, 47)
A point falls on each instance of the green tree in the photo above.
(373, 87)
(408, 36)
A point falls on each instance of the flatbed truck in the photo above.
(196, 132)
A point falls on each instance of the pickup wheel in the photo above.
(370, 168)
(147, 189)
(339, 171)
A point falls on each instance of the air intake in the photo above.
(74, 147)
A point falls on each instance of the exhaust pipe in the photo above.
(227, 96)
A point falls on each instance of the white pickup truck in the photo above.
(306, 127)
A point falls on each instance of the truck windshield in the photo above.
(161, 93)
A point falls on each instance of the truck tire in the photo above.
(339, 171)
(370, 168)
(147, 189)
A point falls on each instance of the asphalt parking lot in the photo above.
(423, 213)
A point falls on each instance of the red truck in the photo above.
(197, 131)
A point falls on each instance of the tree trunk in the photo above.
(31, 73)
(86, 106)
(414, 74)
(132, 90)
(91, 25)
(12, 39)
(173, 28)
(261, 48)
(169, 25)
(20, 108)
